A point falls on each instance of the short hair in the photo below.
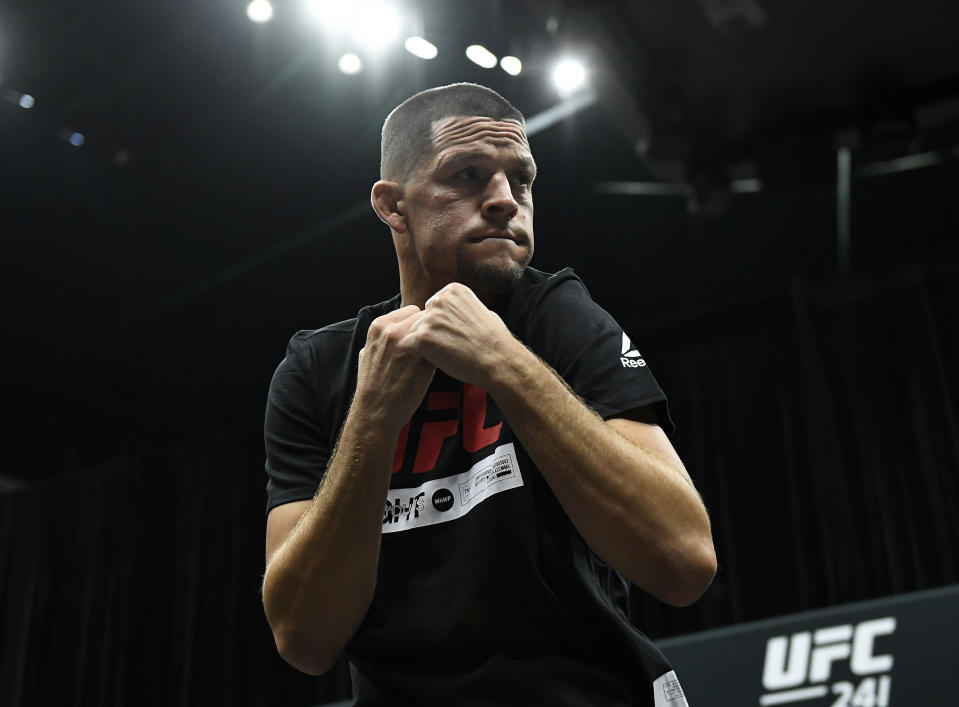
(407, 138)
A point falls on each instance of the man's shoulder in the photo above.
(343, 330)
(536, 278)
(336, 330)
(538, 283)
(538, 289)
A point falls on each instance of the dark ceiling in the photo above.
(218, 203)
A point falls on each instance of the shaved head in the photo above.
(408, 136)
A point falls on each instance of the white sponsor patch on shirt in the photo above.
(452, 497)
(667, 692)
(629, 356)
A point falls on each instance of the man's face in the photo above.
(469, 206)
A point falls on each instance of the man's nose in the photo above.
(499, 201)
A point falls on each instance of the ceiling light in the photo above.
(511, 65)
(481, 55)
(418, 46)
(334, 14)
(77, 139)
(569, 75)
(26, 101)
(374, 23)
(260, 11)
(350, 64)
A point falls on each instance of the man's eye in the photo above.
(522, 179)
(470, 173)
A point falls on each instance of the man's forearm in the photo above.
(321, 572)
(630, 498)
(319, 583)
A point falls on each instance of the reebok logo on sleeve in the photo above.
(630, 357)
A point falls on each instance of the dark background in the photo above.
(152, 276)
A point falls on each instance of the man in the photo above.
(491, 467)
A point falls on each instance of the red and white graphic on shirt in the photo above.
(435, 432)
(486, 466)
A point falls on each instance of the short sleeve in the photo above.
(592, 352)
(297, 446)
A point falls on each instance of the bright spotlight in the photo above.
(260, 11)
(481, 55)
(417, 46)
(511, 65)
(335, 14)
(569, 76)
(378, 25)
(350, 64)
(371, 22)
(76, 139)
(26, 101)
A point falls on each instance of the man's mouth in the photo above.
(499, 235)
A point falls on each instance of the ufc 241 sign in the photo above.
(799, 667)
(895, 651)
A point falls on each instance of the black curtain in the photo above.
(820, 426)
(138, 582)
(821, 429)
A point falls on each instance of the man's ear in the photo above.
(386, 198)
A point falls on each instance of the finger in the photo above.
(415, 322)
(399, 315)
(445, 291)
(402, 329)
(454, 291)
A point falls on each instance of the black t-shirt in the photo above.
(486, 593)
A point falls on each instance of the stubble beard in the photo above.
(493, 279)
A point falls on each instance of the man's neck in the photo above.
(496, 301)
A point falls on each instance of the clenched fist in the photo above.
(392, 378)
(458, 334)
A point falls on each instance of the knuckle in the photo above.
(393, 333)
(425, 336)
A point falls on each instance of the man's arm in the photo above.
(621, 482)
(322, 555)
